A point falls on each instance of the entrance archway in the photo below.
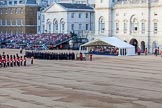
(142, 46)
(154, 45)
(134, 42)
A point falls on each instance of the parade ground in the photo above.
(105, 82)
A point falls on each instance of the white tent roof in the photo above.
(112, 41)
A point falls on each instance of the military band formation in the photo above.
(7, 60)
(50, 55)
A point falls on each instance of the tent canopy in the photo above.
(124, 48)
(108, 41)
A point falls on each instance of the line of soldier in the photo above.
(50, 55)
(12, 60)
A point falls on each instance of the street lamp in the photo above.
(149, 28)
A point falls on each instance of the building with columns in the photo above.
(66, 18)
(137, 22)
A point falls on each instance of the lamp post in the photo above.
(149, 24)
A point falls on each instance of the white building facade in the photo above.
(66, 18)
(137, 22)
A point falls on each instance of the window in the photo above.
(1, 11)
(80, 15)
(72, 15)
(125, 27)
(16, 10)
(155, 28)
(86, 15)
(86, 26)
(10, 11)
(38, 28)
(80, 26)
(72, 26)
(55, 26)
(16, 21)
(20, 2)
(15, 2)
(21, 21)
(134, 25)
(143, 27)
(30, 11)
(6, 11)
(101, 25)
(10, 2)
(63, 27)
(21, 10)
(5, 21)
(117, 27)
(10, 21)
(49, 27)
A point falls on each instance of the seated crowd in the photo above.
(17, 41)
(104, 50)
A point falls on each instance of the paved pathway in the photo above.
(106, 82)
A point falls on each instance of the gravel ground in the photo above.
(105, 82)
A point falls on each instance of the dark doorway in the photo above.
(142, 46)
(134, 42)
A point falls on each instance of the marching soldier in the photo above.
(24, 60)
(11, 61)
(8, 61)
(21, 61)
(4, 61)
(14, 60)
(0, 61)
(32, 60)
(18, 61)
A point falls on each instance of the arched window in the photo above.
(143, 26)
(117, 26)
(62, 26)
(101, 25)
(134, 24)
(55, 26)
(125, 26)
(155, 26)
(48, 26)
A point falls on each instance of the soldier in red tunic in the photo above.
(0, 61)
(90, 57)
(4, 61)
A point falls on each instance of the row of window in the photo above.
(12, 11)
(80, 15)
(62, 27)
(135, 28)
(12, 22)
(13, 2)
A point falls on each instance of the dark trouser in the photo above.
(4, 65)
(11, 64)
(8, 64)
